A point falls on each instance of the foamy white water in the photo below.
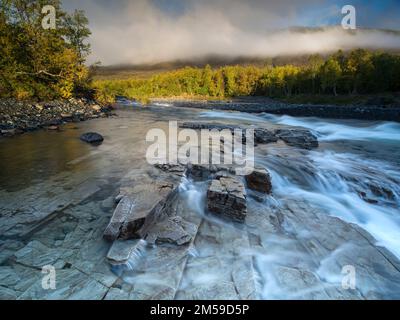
(326, 130)
(335, 181)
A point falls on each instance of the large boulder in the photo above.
(92, 137)
(301, 138)
(227, 197)
(138, 209)
(259, 180)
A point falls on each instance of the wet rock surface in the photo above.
(172, 230)
(92, 137)
(226, 197)
(294, 137)
(286, 247)
(264, 136)
(259, 180)
(139, 207)
(300, 138)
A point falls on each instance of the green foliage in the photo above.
(38, 63)
(330, 73)
(359, 71)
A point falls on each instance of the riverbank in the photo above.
(17, 117)
(266, 105)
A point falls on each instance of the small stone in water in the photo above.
(92, 137)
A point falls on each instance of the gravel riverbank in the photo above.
(18, 117)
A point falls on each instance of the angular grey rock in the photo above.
(259, 180)
(264, 136)
(172, 230)
(176, 169)
(261, 135)
(227, 197)
(92, 137)
(301, 138)
(208, 126)
(139, 209)
(199, 172)
(122, 250)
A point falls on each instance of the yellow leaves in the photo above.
(22, 94)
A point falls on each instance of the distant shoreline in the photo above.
(266, 105)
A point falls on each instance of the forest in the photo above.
(47, 64)
(39, 63)
(346, 73)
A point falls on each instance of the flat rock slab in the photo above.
(174, 230)
(122, 250)
(227, 197)
(223, 266)
(157, 271)
(139, 207)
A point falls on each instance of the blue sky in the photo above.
(370, 14)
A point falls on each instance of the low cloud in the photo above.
(144, 31)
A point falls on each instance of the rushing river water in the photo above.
(354, 157)
(354, 175)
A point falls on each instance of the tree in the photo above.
(330, 74)
(77, 32)
(314, 64)
(208, 87)
(36, 62)
(219, 84)
(358, 67)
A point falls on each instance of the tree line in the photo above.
(357, 72)
(41, 63)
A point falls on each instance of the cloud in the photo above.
(149, 31)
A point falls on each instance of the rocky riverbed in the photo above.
(115, 227)
(18, 117)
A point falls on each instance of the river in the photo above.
(340, 206)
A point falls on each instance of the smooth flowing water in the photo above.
(354, 175)
(356, 160)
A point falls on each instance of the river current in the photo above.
(354, 175)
